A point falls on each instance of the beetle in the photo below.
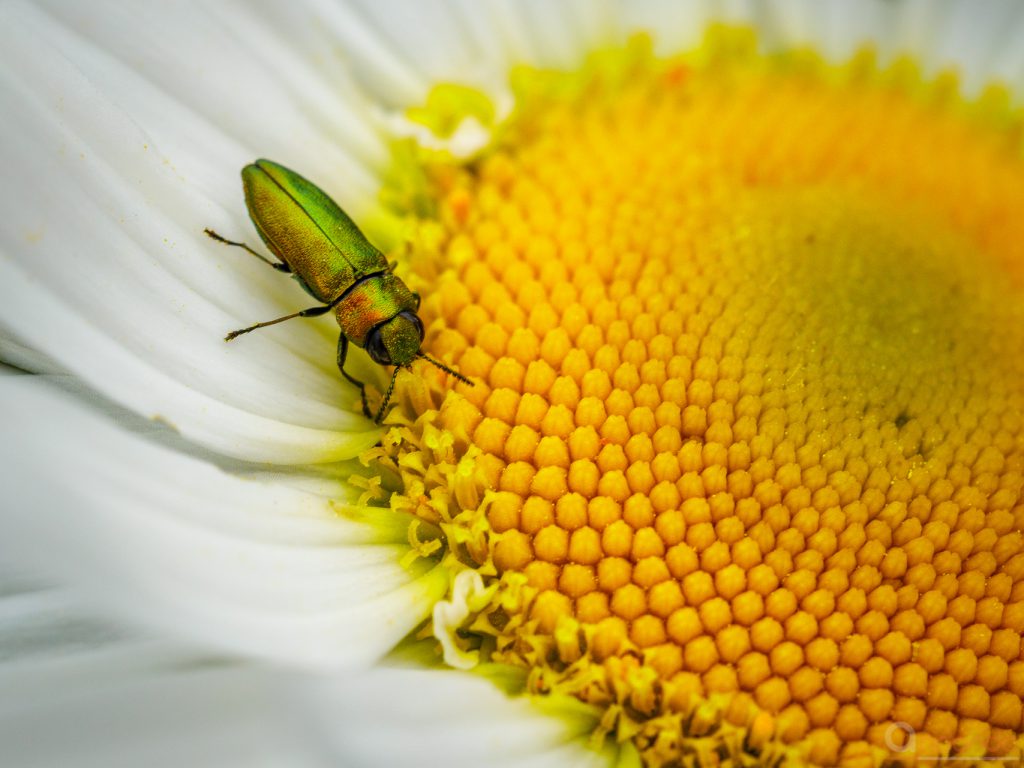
(317, 244)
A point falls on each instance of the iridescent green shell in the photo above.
(307, 230)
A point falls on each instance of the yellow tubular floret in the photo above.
(744, 455)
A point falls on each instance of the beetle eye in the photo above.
(375, 346)
(416, 322)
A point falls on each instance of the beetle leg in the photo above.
(387, 395)
(416, 297)
(280, 266)
(311, 312)
(342, 354)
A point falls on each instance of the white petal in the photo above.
(79, 690)
(916, 25)
(398, 51)
(108, 186)
(89, 693)
(334, 34)
(741, 12)
(38, 623)
(546, 34)
(256, 89)
(405, 717)
(675, 27)
(979, 38)
(837, 28)
(170, 541)
(429, 38)
(15, 352)
(135, 705)
(973, 36)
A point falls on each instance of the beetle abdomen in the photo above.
(370, 302)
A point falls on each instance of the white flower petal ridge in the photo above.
(168, 540)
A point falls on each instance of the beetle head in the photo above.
(396, 341)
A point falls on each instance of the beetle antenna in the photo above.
(445, 368)
(387, 396)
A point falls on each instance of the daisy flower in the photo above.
(740, 290)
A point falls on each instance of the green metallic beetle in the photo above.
(320, 246)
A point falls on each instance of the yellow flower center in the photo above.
(748, 342)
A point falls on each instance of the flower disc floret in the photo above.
(748, 343)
